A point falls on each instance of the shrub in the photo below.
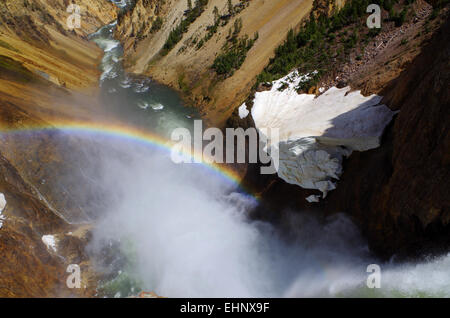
(176, 34)
(233, 56)
(157, 24)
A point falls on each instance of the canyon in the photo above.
(186, 67)
(394, 186)
(374, 195)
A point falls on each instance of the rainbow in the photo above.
(130, 134)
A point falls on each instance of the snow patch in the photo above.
(50, 242)
(2, 207)
(313, 198)
(317, 133)
(243, 111)
(290, 82)
(2, 202)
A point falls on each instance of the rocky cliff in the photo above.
(398, 193)
(30, 267)
(187, 66)
(37, 35)
(47, 73)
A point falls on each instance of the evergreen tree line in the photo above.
(314, 46)
(233, 55)
(176, 34)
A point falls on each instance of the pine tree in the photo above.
(230, 7)
(216, 14)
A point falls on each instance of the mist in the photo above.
(184, 231)
(190, 236)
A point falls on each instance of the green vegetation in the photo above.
(8, 47)
(233, 54)
(398, 18)
(230, 7)
(181, 83)
(437, 7)
(176, 34)
(212, 29)
(156, 25)
(322, 41)
(131, 4)
(125, 283)
(233, 10)
(10, 68)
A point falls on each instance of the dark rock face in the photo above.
(28, 268)
(398, 194)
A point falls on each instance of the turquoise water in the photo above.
(138, 101)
